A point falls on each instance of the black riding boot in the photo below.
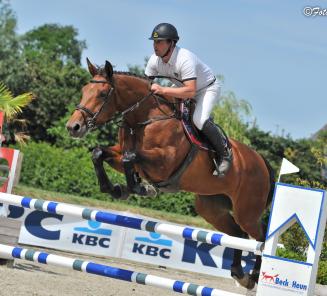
(220, 144)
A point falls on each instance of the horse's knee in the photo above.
(97, 154)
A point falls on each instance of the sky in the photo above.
(269, 52)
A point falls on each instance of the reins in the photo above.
(119, 118)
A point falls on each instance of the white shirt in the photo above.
(183, 65)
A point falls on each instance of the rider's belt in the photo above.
(211, 83)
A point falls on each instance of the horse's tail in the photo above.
(272, 181)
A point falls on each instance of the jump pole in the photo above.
(111, 272)
(189, 233)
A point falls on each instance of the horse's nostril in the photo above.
(76, 127)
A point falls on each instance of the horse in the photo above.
(152, 146)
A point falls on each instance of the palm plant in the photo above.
(11, 106)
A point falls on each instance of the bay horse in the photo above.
(152, 146)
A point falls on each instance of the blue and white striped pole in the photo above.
(111, 272)
(194, 234)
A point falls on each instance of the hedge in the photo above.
(71, 171)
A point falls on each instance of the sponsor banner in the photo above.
(175, 252)
(279, 276)
(68, 233)
(89, 237)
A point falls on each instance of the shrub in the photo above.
(71, 171)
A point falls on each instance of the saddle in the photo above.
(193, 134)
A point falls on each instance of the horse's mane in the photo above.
(101, 71)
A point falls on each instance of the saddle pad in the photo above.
(190, 130)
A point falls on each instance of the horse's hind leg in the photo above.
(248, 214)
(216, 210)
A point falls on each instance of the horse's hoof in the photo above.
(120, 192)
(246, 281)
(150, 190)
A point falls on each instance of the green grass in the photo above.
(109, 205)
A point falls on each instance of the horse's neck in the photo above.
(132, 90)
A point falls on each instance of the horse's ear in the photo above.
(92, 69)
(109, 69)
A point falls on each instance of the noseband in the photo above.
(91, 120)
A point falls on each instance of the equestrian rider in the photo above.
(193, 79)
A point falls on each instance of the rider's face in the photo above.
(160, 47)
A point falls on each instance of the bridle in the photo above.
(91, 120)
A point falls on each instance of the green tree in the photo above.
(299, 152)
(55, 42)
(232, 114)
(56, 87)
(9, 46)
(45, 61)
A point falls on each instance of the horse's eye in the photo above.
(103, 94)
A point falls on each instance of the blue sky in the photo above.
(270, 54)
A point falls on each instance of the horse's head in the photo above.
(97, 105)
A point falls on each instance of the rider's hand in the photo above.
(157, 89)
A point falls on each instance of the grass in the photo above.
(109, 205)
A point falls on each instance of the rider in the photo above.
(194, 80)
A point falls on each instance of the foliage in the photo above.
(71, 171)
(45, 61)
(181, 203)
(11, 106)
(59, 43)
(319, 150)
(103, 136)
(231, 114)
(9, 45)
(322, 273)
(68, 171)
(287, 253)
(56, 86)
(299, 152)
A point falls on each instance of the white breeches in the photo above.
(205, 101)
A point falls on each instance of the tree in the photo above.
(46, 61)
(299, 152)
(9, 45)
(56, 87)
(231, 114)
(54, 41)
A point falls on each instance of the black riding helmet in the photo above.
(164, 31)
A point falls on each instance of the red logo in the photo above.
(269, 278)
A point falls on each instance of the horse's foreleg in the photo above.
(113, 157)
(133, 179)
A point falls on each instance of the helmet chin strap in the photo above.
(167, 52)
